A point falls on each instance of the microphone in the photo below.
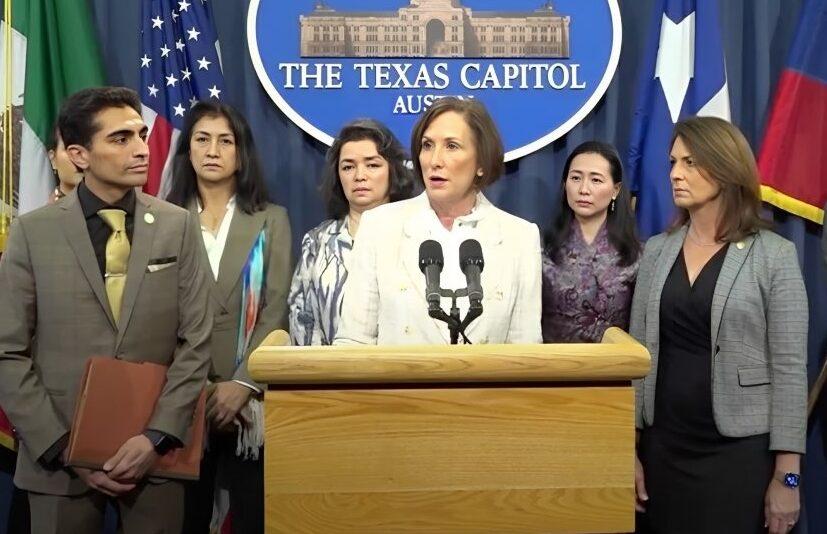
(430, 263)
(471, 263)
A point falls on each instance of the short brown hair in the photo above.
(487, 138)
(77, 119)
(723, 154)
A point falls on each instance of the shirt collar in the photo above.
(477, 213)
(339, 231)
(91, 204)
(230, 203)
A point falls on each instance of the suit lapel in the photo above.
(496, 267)
(193, 209)
(77, 234)
(668, 255)
(415, 233)
(143, 233)
(216, 297)
(736, 255)
(244, 230)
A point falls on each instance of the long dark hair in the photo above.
(401, 185)
(250, 191)
(620, 222)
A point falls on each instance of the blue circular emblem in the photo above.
(539, 66)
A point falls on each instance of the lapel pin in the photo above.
(149, 218)
(740, 245)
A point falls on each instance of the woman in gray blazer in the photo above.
(721, 306)
(245, 240)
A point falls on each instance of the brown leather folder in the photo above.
(116, 402)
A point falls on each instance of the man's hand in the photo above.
(132, 461)
(100, 481)
(227, 399)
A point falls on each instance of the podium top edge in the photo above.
(618, 358)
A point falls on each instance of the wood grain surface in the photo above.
(450, 460)
(618, 357)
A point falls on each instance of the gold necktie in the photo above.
(117, 257)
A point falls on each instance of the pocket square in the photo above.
(155, 267)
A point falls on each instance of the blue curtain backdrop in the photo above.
(757, 35)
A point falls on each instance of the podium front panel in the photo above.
(450, 459)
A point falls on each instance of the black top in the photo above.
(683, 398)
(99, 231)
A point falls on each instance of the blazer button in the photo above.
(407, 330)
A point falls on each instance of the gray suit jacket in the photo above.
(54, 315)
(226, 291)
(759, 337)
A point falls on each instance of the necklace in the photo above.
(698, 242)
(213, 220)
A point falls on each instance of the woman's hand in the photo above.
(781, 507)
(641, 497)
(226, 400)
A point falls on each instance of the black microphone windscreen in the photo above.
(430, 253)
(470, 251)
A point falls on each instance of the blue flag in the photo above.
(683, 74)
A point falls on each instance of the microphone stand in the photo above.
(456, 327)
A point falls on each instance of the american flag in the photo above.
(180, 66)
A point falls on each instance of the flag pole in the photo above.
(8, 126)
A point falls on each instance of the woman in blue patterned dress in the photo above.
(591, 257)
(364, 168)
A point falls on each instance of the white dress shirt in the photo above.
(214, 243)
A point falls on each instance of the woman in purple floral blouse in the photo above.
(591, 256)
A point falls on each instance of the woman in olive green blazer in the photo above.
(246, 242)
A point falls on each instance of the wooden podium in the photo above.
(444, 439)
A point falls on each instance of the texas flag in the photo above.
(793, 157)
(683, 74)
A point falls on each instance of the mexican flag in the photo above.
(54, 53)
(57, 40)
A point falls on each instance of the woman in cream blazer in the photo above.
(457, 152)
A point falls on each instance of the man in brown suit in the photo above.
(63, 299)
